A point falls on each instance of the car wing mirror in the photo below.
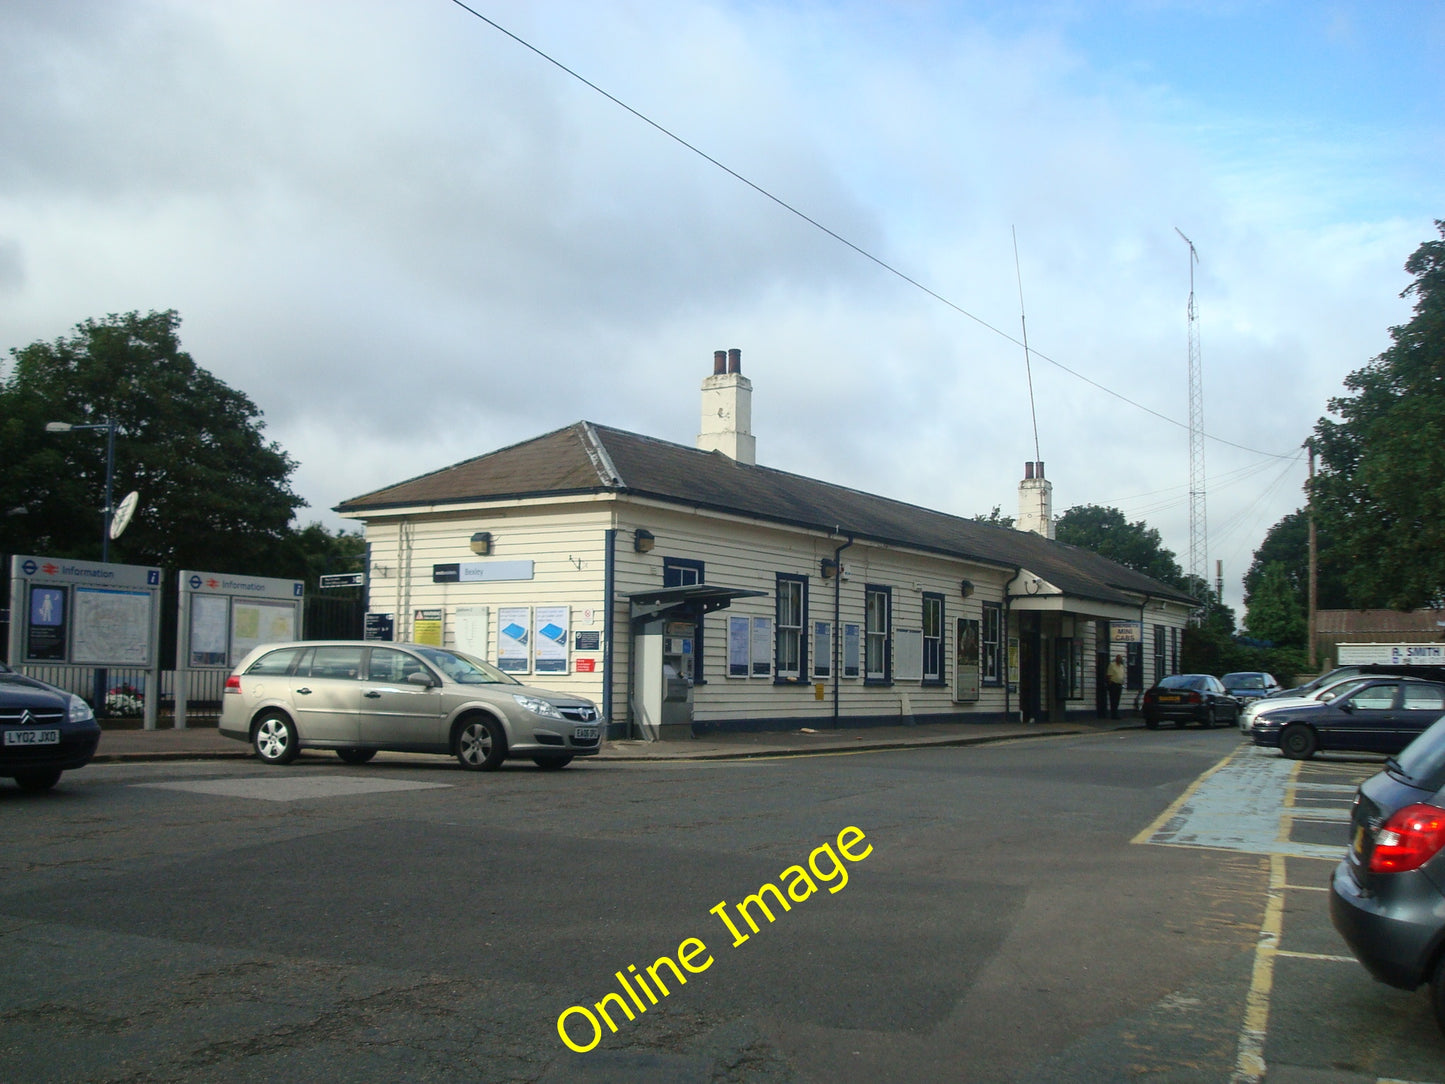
(425, 680)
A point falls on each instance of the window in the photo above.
(1424, 698)
(822, 649)
(388, 664)
(991, 644)
(1068, 668)
(1161, 658)
(877, 644)
(1375, 697)
(337, 662)
(1134, 666)
(791, 649)
(852, 651)
(681, 572)
(932, 639)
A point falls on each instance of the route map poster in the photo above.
(112, 628)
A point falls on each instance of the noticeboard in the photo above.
(84, 613)
(222, 616)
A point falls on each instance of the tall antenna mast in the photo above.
(1198, 522)
(1028, 366)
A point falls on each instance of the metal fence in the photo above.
(125, 688)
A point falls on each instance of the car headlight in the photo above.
(537, 706)
(79, 710)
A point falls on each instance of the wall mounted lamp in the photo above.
(482, 543)
(643, 540)
(965, 588)
(828, 568)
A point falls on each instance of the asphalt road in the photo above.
(1079, 908)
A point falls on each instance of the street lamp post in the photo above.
(109, 426)
(102, 677)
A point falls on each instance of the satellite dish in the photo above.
(123, 512)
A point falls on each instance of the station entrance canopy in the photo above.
(696, 598)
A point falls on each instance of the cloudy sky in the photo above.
(411, 239)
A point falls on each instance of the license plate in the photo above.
(585, 733)
(1166, 698)
(32, 737)
(1359, 840)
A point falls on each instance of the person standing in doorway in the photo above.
(1115, 678)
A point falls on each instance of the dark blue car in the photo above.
(43, 731)
(1382, 715)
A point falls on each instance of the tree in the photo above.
(1106, 532)
(995, 518)
(1287, 544)
(215, 494)
(1276, 612)
(1380, 489)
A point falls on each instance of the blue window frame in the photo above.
(932, 638)
(878, 634)
(790, 652)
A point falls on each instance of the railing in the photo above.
(125, 689)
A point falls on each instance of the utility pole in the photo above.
(1314, 559)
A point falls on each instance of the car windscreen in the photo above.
(1422, 764)
(1244, 681)
(465, 669)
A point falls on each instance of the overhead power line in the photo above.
(884, 264)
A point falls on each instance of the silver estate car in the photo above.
(360, 698)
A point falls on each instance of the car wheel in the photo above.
(1151, 722)
(480, 744)
(1437, 992)
(275, 739)
(356, 756)
(552, 760)
(38, 780)
(1298, 742)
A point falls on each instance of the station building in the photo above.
(689, 590)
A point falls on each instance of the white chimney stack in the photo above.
(727, 410)
(1036, 501)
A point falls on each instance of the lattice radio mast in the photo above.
(1198, 521)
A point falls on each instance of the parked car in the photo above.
(359, 698)
(1327, 691)
(1186, 698)
(1377, 715)
(1427, 671)
(44, 731)
(1249, 685)
(1387, 896)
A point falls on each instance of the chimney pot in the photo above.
(1040, 472)
(735, 360)
(1028, 471)
(719, 362)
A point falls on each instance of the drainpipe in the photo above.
(1003, 647)
(837, 619)
(609, 576)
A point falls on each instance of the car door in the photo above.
(397, 713)
(1365, 719)
(1420, 705)
(326, 694)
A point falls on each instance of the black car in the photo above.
(1381, 715)
(43, 731)
(1189, 698)
(1387, 897)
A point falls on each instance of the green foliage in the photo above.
(1287, 544)
(1106, 532)
(1276, 611)
(995, 518)
(1380, 489)
(214, 494)
(314, 552)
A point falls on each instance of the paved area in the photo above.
(204, 742)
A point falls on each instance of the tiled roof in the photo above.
(588, 458)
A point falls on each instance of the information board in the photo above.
(112, 628)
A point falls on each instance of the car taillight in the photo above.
(1194, 698)
(233, 683)
(1409, 839)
